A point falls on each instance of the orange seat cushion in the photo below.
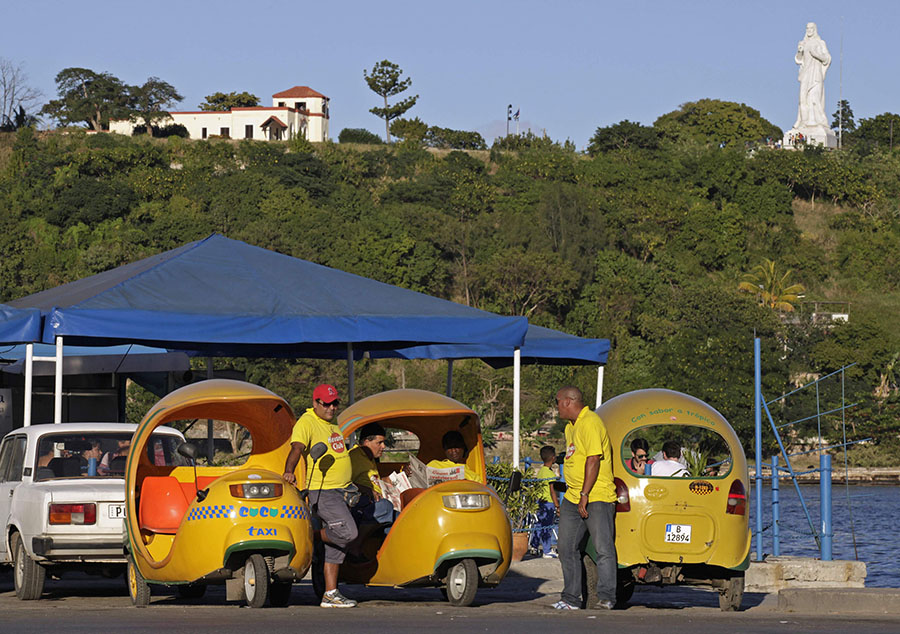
(163, 504)
(408, 496)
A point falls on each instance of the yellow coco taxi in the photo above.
(690, 527)
(190, 526)
(454, 535)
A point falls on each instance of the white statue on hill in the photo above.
(811, 126)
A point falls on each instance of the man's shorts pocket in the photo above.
(341, 532)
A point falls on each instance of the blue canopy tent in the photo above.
(222, 297)
(542, 345)
(19, 325)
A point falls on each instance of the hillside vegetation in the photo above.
(643, 241)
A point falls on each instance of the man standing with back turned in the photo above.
(589, 503)
(332, 474)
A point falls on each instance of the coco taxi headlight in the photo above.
(256, 490)
(467, 501)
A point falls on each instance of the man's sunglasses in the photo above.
(331, 404)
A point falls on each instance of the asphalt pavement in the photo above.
(77, 603)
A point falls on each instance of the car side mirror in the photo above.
(187, 450)
(515, 482)
(318, 450)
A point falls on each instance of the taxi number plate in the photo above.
(117, 511)
(678, 533)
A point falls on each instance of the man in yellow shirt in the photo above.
(455, 449)
(589, 505)
(332, 474)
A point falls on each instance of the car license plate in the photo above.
(678, 533)
(117, 511)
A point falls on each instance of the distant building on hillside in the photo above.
(298, 111)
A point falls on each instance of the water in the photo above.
(875, 513)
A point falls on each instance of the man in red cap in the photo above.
(326, 484)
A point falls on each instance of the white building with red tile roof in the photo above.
(298, 111)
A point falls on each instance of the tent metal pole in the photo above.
(351, 378)
(58, 383)
(450, 378)
(210, 431)
(599, 385)
(517, 391)
(29, 379)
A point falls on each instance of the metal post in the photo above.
(58, 383)
(757, 417)
(776, 512)
(825, 505)
(517, 390)
(351, 376)
(599, 385)
(210, 431)
(29, 379)
(450, 378)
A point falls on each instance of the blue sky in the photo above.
(569, 65)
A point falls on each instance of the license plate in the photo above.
(678, 533)
(117, 511)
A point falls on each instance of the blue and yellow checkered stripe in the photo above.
(294, 512)
(212, 511)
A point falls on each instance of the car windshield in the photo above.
(700, 452)
(98, 454)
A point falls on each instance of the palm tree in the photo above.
(773, 289)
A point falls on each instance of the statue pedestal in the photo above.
(818, 135)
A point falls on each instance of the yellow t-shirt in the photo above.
(587, 437)
(546, 473)
(446, 464)
(365, 473)
(335, 464)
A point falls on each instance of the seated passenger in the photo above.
(90, 458)
(640, 456)
(670, 466)
(456, 451)
(372, 507)
(372, 511)
(122, 452)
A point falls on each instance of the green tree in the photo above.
(358, 135)
(88, 97)
(413, 130)
(150, 100)
(843, 117)
(625, 134)
(385, 81)
(716, 121)
(772, 288)
(882, 131)
(220, 101)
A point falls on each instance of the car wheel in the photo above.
(256, 581)
(191, 591)
(731, 595)
(280, 593)
(138, 589)
(462, 583)
(29, 574)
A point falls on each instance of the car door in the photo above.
(12, 460)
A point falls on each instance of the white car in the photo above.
(62, 498)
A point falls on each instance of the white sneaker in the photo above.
(550, 555)
(562, 605)
(335, 599)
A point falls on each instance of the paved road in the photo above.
(522, 603)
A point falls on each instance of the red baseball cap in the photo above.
(325, 393)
